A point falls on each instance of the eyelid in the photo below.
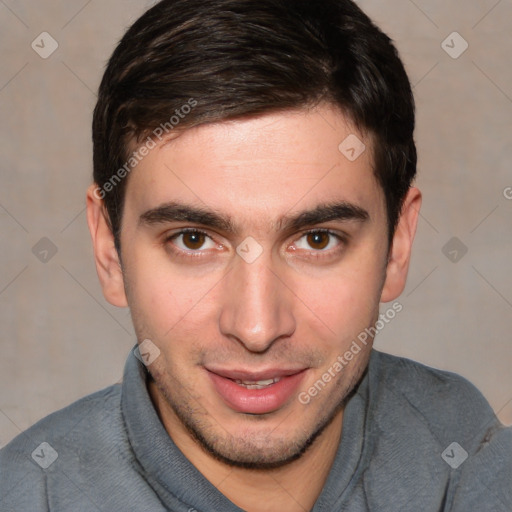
(341, 237)
(182, 231)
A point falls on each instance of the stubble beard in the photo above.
(266, 452)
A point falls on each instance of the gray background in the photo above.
(61, 340)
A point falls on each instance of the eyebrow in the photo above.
(179, 212)
(341, 211)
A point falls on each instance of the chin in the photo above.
(255, 448)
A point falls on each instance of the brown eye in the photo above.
(318, 240)
(193, 240)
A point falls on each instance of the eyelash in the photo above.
(181, 252)
(316, 254)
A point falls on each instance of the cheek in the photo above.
(341, 311)
(345, 300)
(164, 300)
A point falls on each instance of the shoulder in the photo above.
(72, 433)
(445, 403)
(486, 479)
(418, 413)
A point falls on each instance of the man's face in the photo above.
(254, 252)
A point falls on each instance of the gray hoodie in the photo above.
(414, 439)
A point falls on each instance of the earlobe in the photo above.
(108, 265)
(400, 253)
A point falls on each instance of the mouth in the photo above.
(260, 384)
(256, 392)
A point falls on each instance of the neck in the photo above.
(294, 487)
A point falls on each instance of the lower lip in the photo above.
(256, 401)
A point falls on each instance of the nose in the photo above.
(257, 305)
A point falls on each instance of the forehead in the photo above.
(265, 166)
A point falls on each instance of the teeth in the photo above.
(259, 384)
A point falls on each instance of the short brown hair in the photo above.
(240, 58)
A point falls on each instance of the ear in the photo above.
(108, 265)
(400, 253)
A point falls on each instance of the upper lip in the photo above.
(255, 376)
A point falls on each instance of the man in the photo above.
(252, 205)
